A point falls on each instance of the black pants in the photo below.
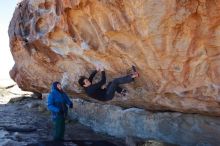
(114, 86)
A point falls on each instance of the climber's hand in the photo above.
(98, 68)
(103, 87)
(71, 105)
(102, 68)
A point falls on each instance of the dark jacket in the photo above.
(95, 90)
(57, 102)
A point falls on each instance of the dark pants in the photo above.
(59, 128)
(114, 86)
(118, 89)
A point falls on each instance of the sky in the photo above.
(7, 8)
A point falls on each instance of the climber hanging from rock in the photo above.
(97, 91)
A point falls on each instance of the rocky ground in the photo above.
(24, 120)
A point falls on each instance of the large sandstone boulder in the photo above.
(175, 45)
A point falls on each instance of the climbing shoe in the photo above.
(135, 71)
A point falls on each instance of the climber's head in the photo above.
(84, 81)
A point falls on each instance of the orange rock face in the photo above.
(175, 45)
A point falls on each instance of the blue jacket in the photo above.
(57, 102)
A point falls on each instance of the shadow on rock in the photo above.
(74, 143)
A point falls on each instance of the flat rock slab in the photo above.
(20, 129)
(74, 143)
(171, 127)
